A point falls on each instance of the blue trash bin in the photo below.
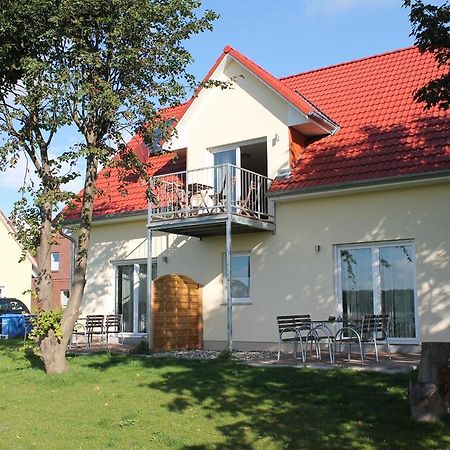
(13, 325)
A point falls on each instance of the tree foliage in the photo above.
(103, 67)
(431, 29)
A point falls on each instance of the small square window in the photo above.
(55, 262)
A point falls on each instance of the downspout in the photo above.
(73, 251)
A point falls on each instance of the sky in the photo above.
(283, 36)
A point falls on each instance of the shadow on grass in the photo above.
(12, 349)
(291, 408)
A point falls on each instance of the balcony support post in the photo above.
(149, 312)
(228, 286)
(229, 298)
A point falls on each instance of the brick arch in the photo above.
(177, 313)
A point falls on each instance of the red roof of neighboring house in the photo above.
(384, 132)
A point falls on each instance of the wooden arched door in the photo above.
(177, 313)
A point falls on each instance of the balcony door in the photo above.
(230, 156)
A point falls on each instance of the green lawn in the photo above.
(130, 402)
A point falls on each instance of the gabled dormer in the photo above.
(255, 120)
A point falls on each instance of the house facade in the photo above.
(323, 193)
(16, 268)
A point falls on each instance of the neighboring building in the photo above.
(61, 270)
(15, 274)
(355, 221)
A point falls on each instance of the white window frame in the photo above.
(135, 263)
(64, 298)
(376, 278)
(243, 300)
(55, 265)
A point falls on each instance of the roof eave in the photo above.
(362, 186)
(107, 218)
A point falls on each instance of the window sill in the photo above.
(240, 302)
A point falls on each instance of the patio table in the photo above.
(199, 196)
(352, 326)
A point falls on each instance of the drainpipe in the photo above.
(149, 311)
(228, 263)
(73, 249)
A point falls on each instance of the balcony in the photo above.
(200, 202)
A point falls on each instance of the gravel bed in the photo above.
(212, 354)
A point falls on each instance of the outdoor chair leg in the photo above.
(376, 349)
(279, 349)
(330, 350)
(389, 349)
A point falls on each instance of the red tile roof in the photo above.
(113, 200)
(384, 133)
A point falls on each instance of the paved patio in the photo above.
(400, 362)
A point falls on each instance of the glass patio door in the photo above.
(378, 279)
(357, 283)
(131, 295)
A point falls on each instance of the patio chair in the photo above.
(94, 327)
(294, 328)
(374, 330)
(220, 198)
(113, 325)
(321, 333)
(349, 334)
(79, 329)
(247, 205)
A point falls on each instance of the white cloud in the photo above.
(336, 7)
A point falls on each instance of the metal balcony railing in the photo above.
(224, 189)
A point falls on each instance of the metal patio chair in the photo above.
(94, 327)
(79, 329)
(321, 333)
(294, 328)
(349, 334)
(113, 325)
(374, 330)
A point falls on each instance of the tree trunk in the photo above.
(44, 279)
(429, 396)
(53, 353)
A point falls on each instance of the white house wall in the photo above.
(248, 110)
(15, 276)
(287, 274)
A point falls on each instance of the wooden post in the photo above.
(429, 396)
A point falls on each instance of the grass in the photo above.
(132, 402)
